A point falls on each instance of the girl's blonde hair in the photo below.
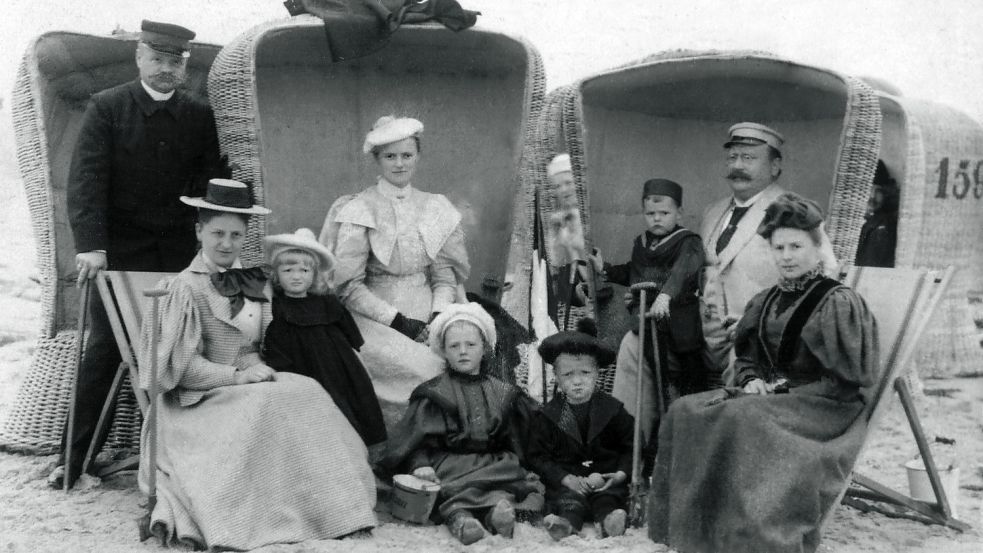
(321, 284)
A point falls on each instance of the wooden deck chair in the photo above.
(903, 301)
(122, 295)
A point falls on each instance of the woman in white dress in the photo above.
(401, 260)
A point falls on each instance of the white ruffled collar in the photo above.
(393, 192)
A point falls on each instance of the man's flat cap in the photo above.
(754, 134)
(166, 38)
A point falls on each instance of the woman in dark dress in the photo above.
(314, 335)
(758, 468)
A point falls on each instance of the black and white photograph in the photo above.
(679, 276)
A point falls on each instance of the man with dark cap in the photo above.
(142, 144)
(739, 261)
(671, 257)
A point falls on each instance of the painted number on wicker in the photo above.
(962, 179)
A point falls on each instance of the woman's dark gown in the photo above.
(316, 336)
(757, 473)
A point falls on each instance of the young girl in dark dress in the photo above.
(314, 335)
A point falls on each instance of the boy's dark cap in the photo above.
(663, 187)
(166, 38)
(575, 343)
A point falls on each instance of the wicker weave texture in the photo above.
(37, 418)
(234, 98)
(32, 159)
(936, 232)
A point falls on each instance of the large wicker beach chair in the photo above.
(58, 74)
(293, 122)
(667, 116)
(936, 154)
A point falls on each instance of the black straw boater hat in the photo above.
(166, 38)
(575, 343)
(227, 195)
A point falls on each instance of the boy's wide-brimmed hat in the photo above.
(470, 312)
(301, 239)
(575, 343)
(227, 195)
(166, 38)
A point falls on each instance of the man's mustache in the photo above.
(737, 174)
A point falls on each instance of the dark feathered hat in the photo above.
(790, 211)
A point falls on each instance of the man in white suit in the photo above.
(739, 262)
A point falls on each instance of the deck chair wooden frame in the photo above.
(929, 288)
(122, 294)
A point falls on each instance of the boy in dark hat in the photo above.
(671, 257)
(581, 442)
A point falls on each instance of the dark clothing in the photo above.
(357, 28)
(673, 264)
(317, 337)
(471, 430)
(737, 213)
(557, 449)
(134, 158)
(878, 240)
(758, 473)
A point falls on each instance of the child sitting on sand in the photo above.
(581, 442)
(463, 429)
(314, 335)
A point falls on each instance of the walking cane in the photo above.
(77, 356)
(636, 494)
(144, 522)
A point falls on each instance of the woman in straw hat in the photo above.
(757, 468)
(401, 260)
(237, 440)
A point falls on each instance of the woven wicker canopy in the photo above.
(295, 121)
(59, 73)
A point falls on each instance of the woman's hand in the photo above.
(756, 386)
(256, 373)
(427, 473)
(576, 483)
(612, 479)
(411, 328)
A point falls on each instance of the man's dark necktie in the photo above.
(728, 232)
(238, 284)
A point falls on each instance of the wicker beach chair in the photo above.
(903, 302)
(293, 122)
(667, 115)
(935, 153)
(58, 74)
